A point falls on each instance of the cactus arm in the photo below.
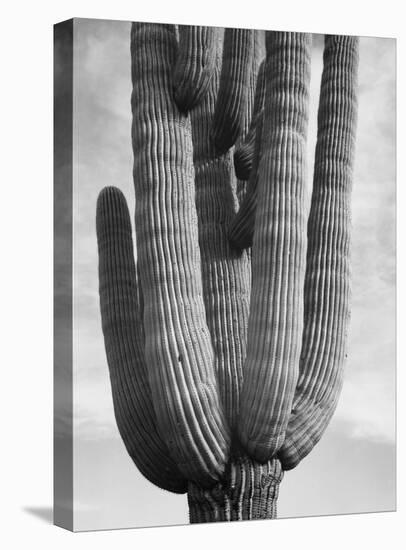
(241, 232)
(278, 252)
(244, 153)
(121, 311)
(177, 342)
(194, 66)
(230, 111)
(327, 282)
(258, 56)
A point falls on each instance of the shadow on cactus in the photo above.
(226, 340)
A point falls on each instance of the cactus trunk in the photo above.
(249, 491)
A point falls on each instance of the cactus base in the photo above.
(249, 490)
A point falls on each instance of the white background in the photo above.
(26, 272)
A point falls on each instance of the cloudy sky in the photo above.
(353, 468)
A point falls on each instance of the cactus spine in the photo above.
(226, 363)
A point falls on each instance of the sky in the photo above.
(352, 469)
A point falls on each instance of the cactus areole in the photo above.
(226, 340)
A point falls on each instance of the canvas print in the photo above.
(224, 274)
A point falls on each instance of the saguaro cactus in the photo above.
(226, 340)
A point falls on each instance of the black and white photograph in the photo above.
(202, 275)
(229, 196)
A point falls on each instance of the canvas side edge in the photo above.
(63, 172)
